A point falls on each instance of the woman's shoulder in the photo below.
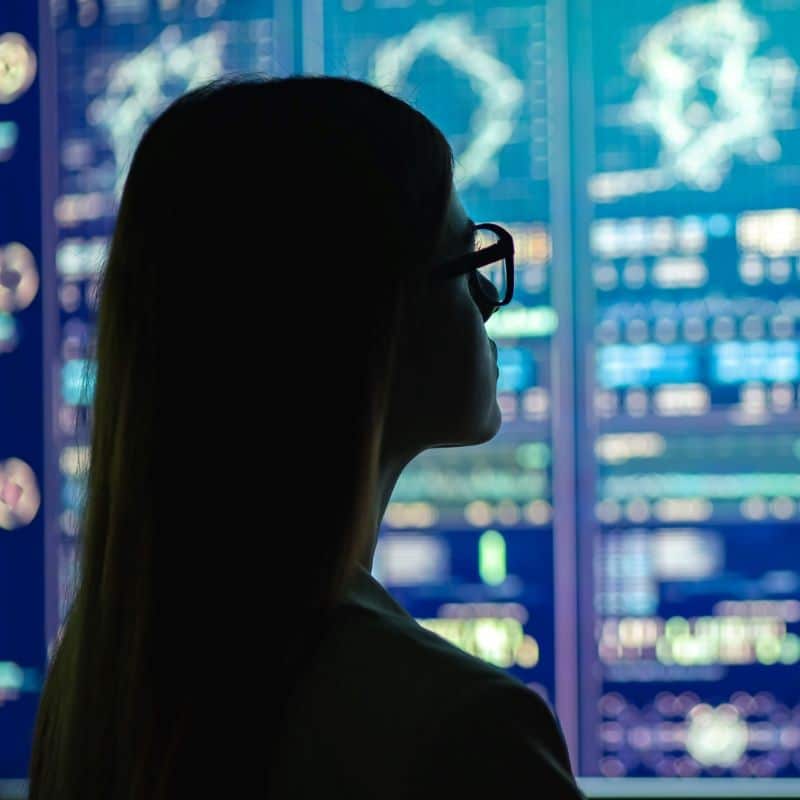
(373, 624)
(502, 737)
(456, 711)
(394, 693)
(401, 665)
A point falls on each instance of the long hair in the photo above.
(271, 236)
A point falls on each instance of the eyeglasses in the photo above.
(491, 267)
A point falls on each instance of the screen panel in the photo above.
(21, 512)
(689, 360)
(670, 465)
(467, 540)
(116, 66)
(107, 70)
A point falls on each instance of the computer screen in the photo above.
(686, 317)
(627, 544)
(21, 391)
(467, 542)
(115, 66)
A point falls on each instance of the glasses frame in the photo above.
(471, 262)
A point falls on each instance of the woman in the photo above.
(272, 349)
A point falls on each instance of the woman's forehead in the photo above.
(458, 215)
(458, 226)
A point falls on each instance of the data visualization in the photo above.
(467, 540)
(117, 67)
(688, 286)
(22, 652)
(627, 544)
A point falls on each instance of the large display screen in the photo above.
(687, 303)
(627, 545)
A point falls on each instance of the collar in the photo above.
(367, 592)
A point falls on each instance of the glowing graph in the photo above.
(20, 497)
(18, 66)
(501, 92)
(19, 285)
(140, 86)
(707, 96)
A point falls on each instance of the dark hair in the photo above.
(270, 237)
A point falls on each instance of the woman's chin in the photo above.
(496, 420)
(472, 432)
(489, 427)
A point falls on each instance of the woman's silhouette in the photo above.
(276, 340)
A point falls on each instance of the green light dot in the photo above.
(790, 650)
(11, 675)
(492, 557)
(535, 455)
(7, 327)
(675, 627)
(768, 650)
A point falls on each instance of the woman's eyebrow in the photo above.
(469, 233)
